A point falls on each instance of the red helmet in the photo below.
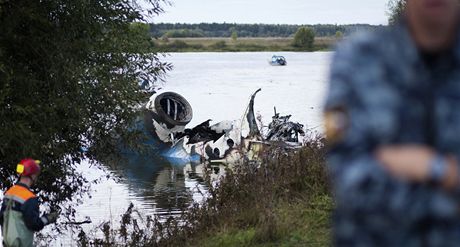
(28, 167)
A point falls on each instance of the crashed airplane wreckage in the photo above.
(167, 114)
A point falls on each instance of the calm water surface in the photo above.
(218, 86)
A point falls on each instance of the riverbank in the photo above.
(238, 45)
(302, 223)
(282, 201)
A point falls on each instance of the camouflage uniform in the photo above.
(391, 93)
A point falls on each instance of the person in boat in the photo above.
(393, 128)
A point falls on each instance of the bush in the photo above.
(219, 45)
(304, 38)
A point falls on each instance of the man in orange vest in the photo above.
(19, 215)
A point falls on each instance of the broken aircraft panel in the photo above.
(167, 114)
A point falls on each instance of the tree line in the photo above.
(182, 30)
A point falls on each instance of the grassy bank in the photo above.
(238, 45)
(282, 201)
(301, 223)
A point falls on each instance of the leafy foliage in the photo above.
(304, 38)
(69, 73)
(395, 10)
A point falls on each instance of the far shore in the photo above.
(212, 44)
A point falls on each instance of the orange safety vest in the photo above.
(15, 232)
(19, 194)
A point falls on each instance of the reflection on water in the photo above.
(153, 185)
(164, 188)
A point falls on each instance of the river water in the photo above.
(218, 86)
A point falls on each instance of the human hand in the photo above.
(52, 217)
(409, 162)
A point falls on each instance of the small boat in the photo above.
(277, 61)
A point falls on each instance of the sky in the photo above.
(276, 11)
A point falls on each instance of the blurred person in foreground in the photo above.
(392, 119)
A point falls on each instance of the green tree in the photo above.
(338, 35)
(234, 35)
(304, 38)
(395, 10)
(69, 73)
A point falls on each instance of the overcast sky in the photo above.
(276, 11)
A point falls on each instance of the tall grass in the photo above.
(282, 200)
